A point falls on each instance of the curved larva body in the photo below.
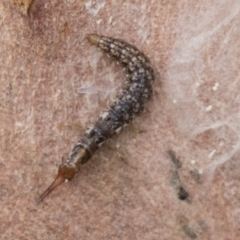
(128, 104)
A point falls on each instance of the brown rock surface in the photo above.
(50, 79)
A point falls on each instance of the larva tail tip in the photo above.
(59, 179)
(93, 38)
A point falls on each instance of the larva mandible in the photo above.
(129, 103)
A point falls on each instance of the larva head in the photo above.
(65, 172)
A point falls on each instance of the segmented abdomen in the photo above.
(131, 99)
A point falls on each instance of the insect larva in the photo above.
(129, 103)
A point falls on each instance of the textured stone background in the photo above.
(50, 79)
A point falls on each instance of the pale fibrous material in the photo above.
(202, 83)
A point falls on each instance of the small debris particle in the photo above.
(212, 153)
(23, 5)
(189, 232)
(196, 176)
(193, 162)
(221, 144)
(209, 108)
(99, 21)
(215, 87)
(174, 159)
(182, 194)
(110, 20)
(197, 84)
(203, 225)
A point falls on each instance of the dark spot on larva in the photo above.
(100, 140)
